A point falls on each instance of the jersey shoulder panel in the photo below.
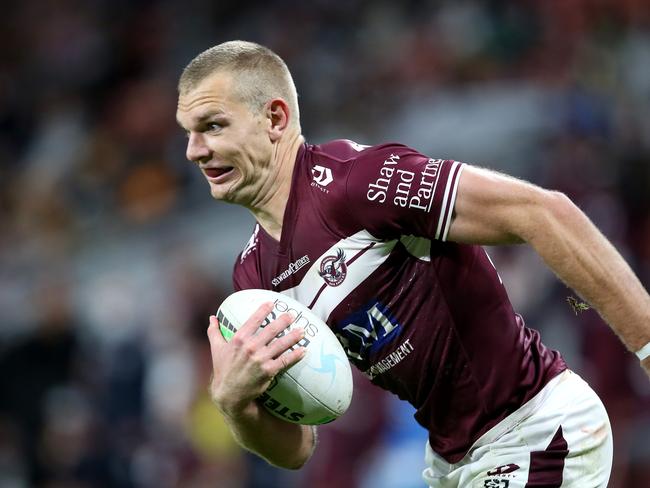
(340, 150)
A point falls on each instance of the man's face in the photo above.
(228, 141)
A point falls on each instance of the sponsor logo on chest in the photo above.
(291, 269)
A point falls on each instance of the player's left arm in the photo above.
(492, 208)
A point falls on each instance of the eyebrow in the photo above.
(204, 116)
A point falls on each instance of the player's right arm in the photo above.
(409, 194)
(243, 369)
(492, 208)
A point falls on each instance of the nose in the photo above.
(197, 151)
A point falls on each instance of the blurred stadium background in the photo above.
(112, 253)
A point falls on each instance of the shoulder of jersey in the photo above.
(342, 151)
(331, 162)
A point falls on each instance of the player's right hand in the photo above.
(244, 367)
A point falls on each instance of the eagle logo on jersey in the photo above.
(333, 269)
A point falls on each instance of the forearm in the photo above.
(243, 369)
(585, 260)
(281, 443)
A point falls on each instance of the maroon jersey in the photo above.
(364, 246)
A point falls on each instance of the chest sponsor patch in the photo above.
(395, 357)
(291, 269)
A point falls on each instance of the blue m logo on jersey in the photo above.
(366, 330)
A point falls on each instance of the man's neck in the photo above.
(270, 213)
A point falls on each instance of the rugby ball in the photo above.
(315, 390)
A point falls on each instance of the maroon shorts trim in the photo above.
(546, 467)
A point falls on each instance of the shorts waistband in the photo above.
(522, 413)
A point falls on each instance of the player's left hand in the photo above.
(244, 367)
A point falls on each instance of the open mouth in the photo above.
(217, 172)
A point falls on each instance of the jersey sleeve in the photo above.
(393, 190)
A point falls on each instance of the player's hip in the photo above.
(561, 437)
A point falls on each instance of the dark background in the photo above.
(112, 253)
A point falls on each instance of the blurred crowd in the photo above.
(112, 254)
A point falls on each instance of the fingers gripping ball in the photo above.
(315, 390)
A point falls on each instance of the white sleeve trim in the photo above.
(452, 203)
(448, 201)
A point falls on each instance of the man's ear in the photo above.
(278, 114)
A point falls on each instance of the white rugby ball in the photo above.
(315, 390)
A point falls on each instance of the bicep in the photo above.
(493, 208)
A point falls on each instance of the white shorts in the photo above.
(559, 438)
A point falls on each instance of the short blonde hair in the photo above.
(260, 74)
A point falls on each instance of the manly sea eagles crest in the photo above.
(333, 269)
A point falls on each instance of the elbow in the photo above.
(298, 464)
(294, 464)
(295, 459)
(301, 457)
(560, 207)
(306, 450)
